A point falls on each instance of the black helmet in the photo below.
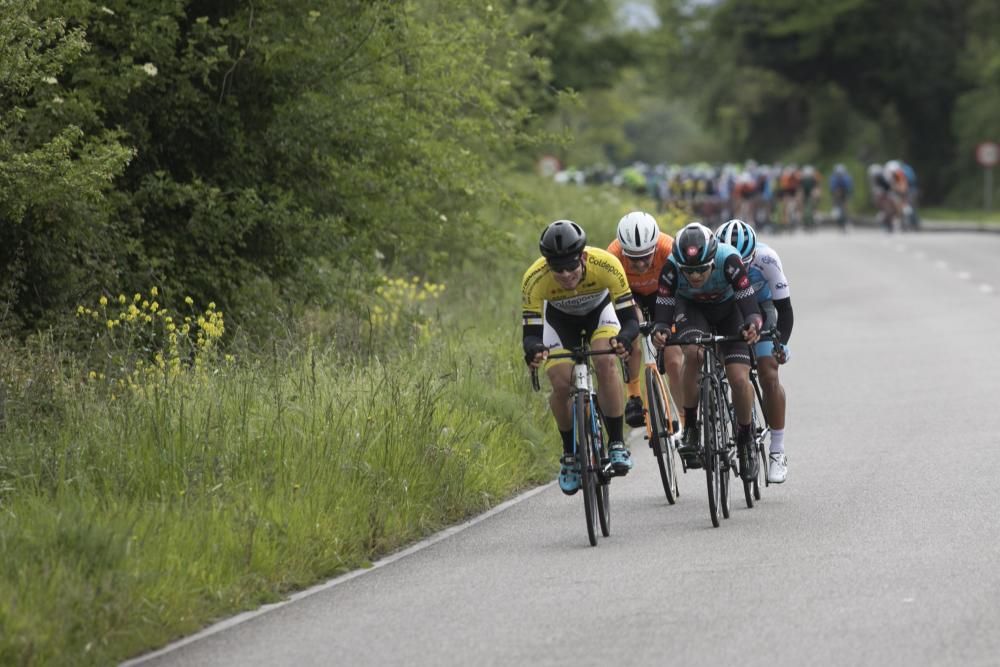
(562, 239)
(695, 245)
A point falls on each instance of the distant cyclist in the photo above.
(841, 186)
(774, 298)
(643, 250)
(810, 189)
(705, 286)
(575, 290)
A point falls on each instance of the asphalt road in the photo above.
(882, 548)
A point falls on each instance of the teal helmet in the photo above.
(740, 235)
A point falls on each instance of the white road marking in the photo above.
(986, 289)
(246, 616)
(964, 275)
(941, 264)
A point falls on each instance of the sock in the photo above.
(778, 441)
(690, 416)
(743, 432)
(567, 438)
(615, 428)
(633, 388)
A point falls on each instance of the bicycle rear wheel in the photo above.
(588, 474)
(659, 434)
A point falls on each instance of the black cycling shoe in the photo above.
(749, 470)
(689, 444)
(634, 414)
(690, 449)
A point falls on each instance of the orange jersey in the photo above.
(647, 282)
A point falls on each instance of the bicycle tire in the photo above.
(760, 451)
(725, 435)
(745, 454)
(584, 454)
(659, 435)
(603, 481)
(710, 459)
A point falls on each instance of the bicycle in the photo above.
(716, 422)
(661, 422)
(590, 447)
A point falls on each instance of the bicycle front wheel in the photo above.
(588, 473)
(603, 478)
(659, 435)
(713, 474)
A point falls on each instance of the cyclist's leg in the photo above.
(774, 402)
(633, 388)
(690, 321)
(609, 386)
(728, 321)
(561, 332)
(673, 362)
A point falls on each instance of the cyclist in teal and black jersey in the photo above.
(703, 286)
(774, 297)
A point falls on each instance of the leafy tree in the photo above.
(55, 178)
(285, 152)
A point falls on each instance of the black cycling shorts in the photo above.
(694, 318)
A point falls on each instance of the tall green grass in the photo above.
(128, 522)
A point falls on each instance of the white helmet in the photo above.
(638, 233)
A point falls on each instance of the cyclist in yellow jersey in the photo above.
(576, 290)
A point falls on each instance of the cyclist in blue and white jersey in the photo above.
(774, 297)
(704, 285)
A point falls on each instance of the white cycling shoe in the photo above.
(777, 467)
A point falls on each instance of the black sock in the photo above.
(615, 428)
(567, 438)
(743, 432)
(690, 416)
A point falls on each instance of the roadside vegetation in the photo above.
(259, 262)
(141, 500)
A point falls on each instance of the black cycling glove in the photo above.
(532, 351)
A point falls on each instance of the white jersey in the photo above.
(767, 276)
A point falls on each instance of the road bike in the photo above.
(716, 435)
(590, 446)
(661, 417)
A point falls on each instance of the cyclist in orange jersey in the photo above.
(643, 250)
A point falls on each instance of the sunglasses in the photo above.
(645, 259)
(696, 270)
(565, 268)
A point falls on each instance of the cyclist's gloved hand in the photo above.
(660, 334)
(621, 345)
(751, 330)
(781, 353)
(535, 355)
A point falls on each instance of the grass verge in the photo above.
(127, 522)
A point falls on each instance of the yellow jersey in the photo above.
(603, 277)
